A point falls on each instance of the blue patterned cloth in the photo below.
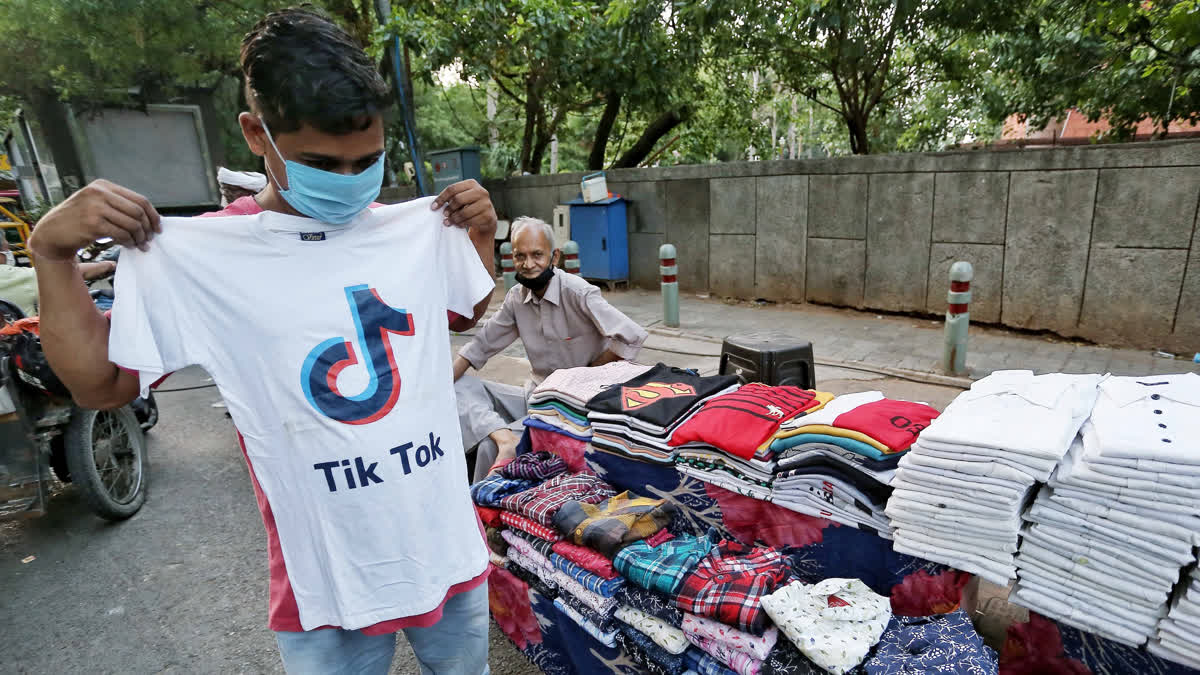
(942, 643)
(704, 664)
(655, 658)
(593, 582)
(490, 490)
(662, 568)
(607, 638)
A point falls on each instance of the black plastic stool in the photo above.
(770, 358)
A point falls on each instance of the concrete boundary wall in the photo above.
(1092, 241)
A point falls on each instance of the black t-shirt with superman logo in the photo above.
(661, 395)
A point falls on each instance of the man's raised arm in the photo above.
(74, 333)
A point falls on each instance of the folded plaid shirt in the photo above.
(613, 524)
(663, 567)
(606, 588)
(587, 559)
(490, 490)
(535, 466)
(542, 502)
(524, 524)
(704, 664)
(543, 547)
(729, 585)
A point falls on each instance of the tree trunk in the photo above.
(545, 133)
(856, 125)
(603, 130)
(533, 105)
(645, 143)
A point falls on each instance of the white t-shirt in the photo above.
(363, 467)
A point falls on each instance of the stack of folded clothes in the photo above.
(1178, 636)
(1107, 539)
(959, 492)
(837, 462)
(559, 403)
(719, 442)
(636, 418)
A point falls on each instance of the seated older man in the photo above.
(562, 320)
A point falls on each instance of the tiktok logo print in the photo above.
(374, 320)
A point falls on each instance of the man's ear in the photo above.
(556, 258)
(252, 131)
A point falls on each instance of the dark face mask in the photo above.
(540, 281)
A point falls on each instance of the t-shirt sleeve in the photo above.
(467, 282)
(145, 333)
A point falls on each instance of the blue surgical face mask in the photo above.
(326, 196)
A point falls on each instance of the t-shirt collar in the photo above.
(1183, 388)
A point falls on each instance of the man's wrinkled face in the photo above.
(532, 252)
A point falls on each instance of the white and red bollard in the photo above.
(571, 257)
(507, 266)
(670, 284)
(958, 318)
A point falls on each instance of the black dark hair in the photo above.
(302, 68)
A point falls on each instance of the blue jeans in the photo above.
(456, 645)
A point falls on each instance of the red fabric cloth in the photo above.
(587, 559)
(659, 537)
(893, 423)
(570, 449)
(741, 421)
(526, 525)
(508, 598)
(489, 516)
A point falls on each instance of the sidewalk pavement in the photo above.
(891, 345)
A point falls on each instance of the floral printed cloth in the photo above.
(834, 622)
(654, 604)
(644, 652)
(664, 634)
(740, 662)
(757, 646)
(608, 638)
(602, 605)
(945, 643)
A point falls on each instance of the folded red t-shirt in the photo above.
(740, 421)
(894, 423)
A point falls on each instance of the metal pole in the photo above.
(571, 257)
(670, 284)
(404, 92)
(958, 318)
(507, 267)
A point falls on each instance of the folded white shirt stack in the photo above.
(1178, 636)
(1106, 541)
(959, 492)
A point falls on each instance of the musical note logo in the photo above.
(374, 320)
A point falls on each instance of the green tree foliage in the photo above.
(1123, 60)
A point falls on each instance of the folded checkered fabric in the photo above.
(615, 523)
(660, 537)
(536, 466)
(587, 559)
(490, 490)
(654, 604)
(663, 567)
(643, 651)
(602, 605)
(730, 583)
(606, 588)
(704, 664)
(526, 525)
(607, 638)
(542, 502)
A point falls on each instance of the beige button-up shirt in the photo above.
(568, 327)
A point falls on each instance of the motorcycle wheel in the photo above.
(106, 455)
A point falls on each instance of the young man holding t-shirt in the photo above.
(323, 323)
